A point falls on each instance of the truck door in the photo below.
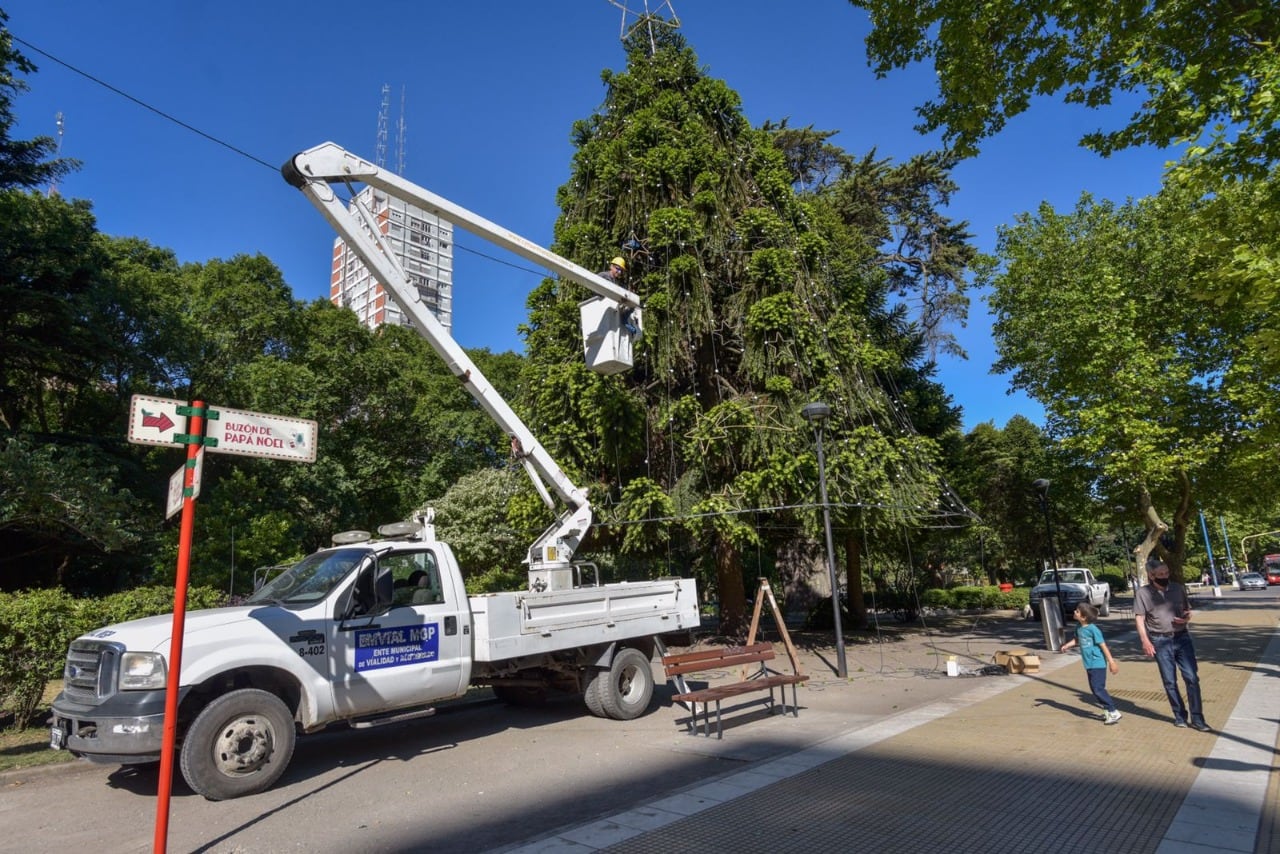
(409, 655)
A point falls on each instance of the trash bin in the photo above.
(1051, 619)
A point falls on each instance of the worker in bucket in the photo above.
(616, 273)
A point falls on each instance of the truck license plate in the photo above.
(57, 738)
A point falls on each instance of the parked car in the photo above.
(1077, 585)
(1252, 581)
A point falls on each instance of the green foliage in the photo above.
(759, 301)
(52, 281)
(477, 518)
(974, 598)
(1115, 291)
(37, 626)
(147, 602)
(1119, 581)
(1208, 74)
(64, 507)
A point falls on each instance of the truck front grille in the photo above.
(91, 669)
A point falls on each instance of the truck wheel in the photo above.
(238, 745)
(593, 694)
(1105, 610)
(1035, 613)
(625, 691)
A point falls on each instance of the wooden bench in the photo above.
(722, 657)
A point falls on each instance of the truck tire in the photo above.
(593, 694)
(238, 745)
(625, 690)
(1105, 609)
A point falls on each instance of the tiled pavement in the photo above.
(1014, 764)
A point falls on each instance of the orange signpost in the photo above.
(194, 439)
(155, 421)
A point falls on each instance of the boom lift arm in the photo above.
(313, 172)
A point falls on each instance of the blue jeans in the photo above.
(1098, 685)
(1174, 655)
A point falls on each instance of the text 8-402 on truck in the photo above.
(1077, 585)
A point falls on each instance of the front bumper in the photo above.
(1068, 602)
(125, 728)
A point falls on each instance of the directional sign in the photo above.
(155, 420)
(177, 482)
(255, 434)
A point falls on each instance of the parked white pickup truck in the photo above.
(1078, 585)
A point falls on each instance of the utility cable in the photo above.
(214, 139)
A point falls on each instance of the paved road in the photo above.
(491, 777)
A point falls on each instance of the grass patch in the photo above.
(29, 747)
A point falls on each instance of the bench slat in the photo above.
(718, 664)
(716, 653)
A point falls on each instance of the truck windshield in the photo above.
(309, 580)
(1065, 576)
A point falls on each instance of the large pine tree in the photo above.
(757, 300)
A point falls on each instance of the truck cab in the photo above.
(360, 630)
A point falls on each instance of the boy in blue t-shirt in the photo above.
(1097, 658)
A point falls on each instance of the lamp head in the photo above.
(815, 411)
(1042, 485)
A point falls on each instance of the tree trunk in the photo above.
(1156, 527)
(733, 599)
(853, 581)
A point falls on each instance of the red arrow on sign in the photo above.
(161, 422)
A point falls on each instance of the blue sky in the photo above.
(491, 91)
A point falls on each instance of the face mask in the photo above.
(1160, 582)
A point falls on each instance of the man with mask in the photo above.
(1162, 611)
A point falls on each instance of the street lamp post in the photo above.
(815, 413)
(1052, 617)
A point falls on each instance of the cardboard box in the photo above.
(1018, 660)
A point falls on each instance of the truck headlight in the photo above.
(142, 671)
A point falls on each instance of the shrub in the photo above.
(37, 626)
(1118, 580)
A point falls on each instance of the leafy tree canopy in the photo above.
(1204, 73)
(757, 300)
(1098, 319)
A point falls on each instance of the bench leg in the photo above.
(719, 727)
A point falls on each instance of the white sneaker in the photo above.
(1111, 717)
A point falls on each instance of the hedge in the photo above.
(907, 603)
(37, 626)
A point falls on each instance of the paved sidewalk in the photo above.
(1013, 764)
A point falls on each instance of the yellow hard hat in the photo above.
(618, 262)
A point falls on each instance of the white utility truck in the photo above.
(1077, 585)
(378, 629)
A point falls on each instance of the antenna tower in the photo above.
(400, 136)
(53, 182)
(647, 19)
(380, 149)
